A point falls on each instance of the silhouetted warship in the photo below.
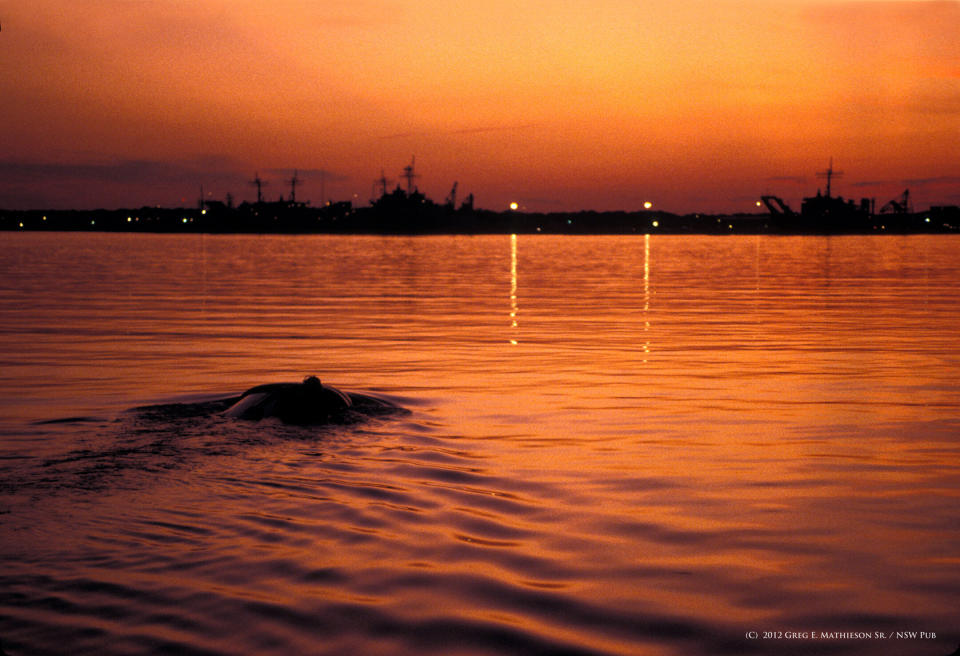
(408, 211)
(829, 214)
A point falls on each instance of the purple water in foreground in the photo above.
(614, 445)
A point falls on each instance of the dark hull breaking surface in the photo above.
(306, 403)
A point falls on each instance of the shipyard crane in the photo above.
(899, 205)
(776, 206)
(260, 184)
(452, 198)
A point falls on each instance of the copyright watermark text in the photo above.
(840, 635)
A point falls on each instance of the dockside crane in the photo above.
(776, 206)
(899, 205)
(452, 198)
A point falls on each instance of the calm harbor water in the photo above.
(615, 445)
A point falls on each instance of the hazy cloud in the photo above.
(130, 171)
(314, 175)
(946, 179)
(119, 183)
(473, 130)
(500, 128)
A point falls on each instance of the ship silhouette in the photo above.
(825, 213)
(406, 210)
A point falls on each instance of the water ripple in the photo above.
(615, 446)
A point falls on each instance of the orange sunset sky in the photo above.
(696, 105)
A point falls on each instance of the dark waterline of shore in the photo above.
(274, 218)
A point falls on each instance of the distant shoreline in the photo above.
(275, 218)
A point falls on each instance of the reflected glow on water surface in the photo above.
(615, 445)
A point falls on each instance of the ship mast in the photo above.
(259, 184)
(382, 183)
(410, 175)
(829, 174)
(294, 181)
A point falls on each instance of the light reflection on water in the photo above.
(514, 304)
(616, 444)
